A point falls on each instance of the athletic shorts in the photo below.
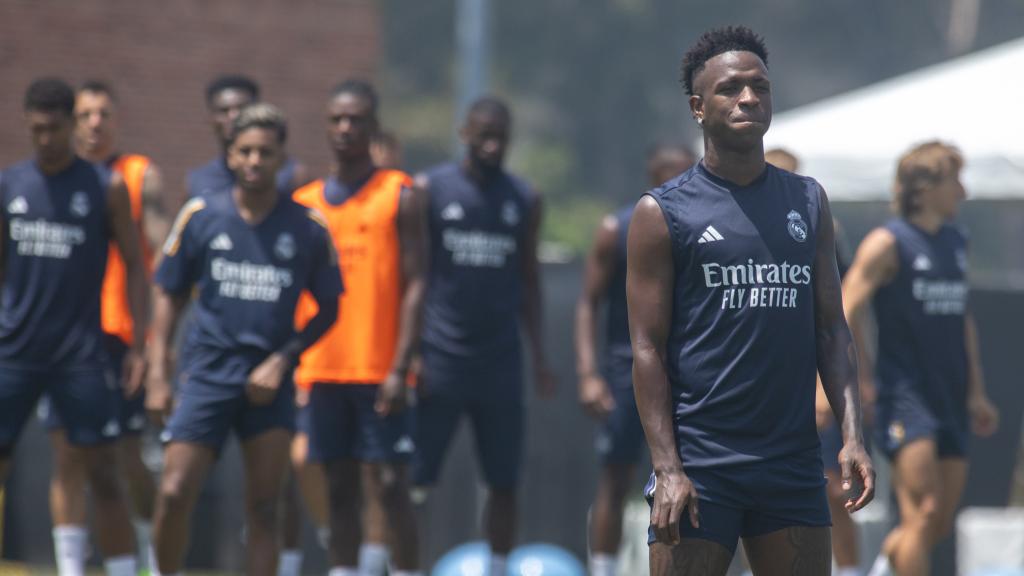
(832, 442)
(85, 400)
(620, 437)
(902, 416)
(131, 411)
(344, 426)
(492, 400)
(751, 500)
(205, 413)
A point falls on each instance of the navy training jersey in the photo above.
(617, 343)
(215, 176)
(741, 349)
(920, 316)
(55, 256)
(474, 291)
(248, 279)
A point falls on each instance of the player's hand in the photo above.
(673, 492)
(544, 380)
(159, 397)
(265, 379)
(596, 397)
(984, 415)
(133, 372)
(858, 475)
(390, 395)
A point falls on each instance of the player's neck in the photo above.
(738, 166)
(353, 170)
(477, 172)
(254, 205)
(55, 166)
(927, 220)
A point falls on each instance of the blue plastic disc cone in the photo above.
(469, 559)
(543, 560)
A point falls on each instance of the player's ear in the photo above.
(697, 108)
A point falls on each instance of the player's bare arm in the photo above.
(167, 309)
(649, 284)
(837, 365)
(413, 240)
(154, 213)
(532, 299)
(594, 393)
(984, 414)
(126, 236)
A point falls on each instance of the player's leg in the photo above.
(373, 552)
(290, 561)
(952, 479)
(185, 468)
(691, 557)
(384, 446)
(68, 487)
(141, 491)
(19, 393)
(266, 467)
(312, 484)
(915, 481)
(792, 551)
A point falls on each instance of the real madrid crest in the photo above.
(796, 226)
(510, 213)
(79, 204)
(284, 248)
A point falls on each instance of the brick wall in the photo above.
(159, 55)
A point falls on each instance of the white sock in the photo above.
(498, 562)
(603, 564)
(143, 540)
(343, 571)
(847, 571)
(289, 563)
(881, 566)
(323, 537)
(373, 559)
(120, 565)
(70, 544)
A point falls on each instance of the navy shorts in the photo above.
(86, 401)
(620, 438)
(493, 400)
(344, 426)
(131, 411)
(751, 500)
(205, 413)
(902, 416)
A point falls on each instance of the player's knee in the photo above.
(175, 490)
(925, 514)
(105, 484)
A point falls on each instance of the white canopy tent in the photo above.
(851, 142)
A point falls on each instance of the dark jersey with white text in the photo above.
(741, 349)
(474, 293)
(248, 279)
(56, 236)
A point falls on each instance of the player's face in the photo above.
(224, 108)
(667, 164)
(486, 136)
(734, 98)
(946, 196)
(350, 125)
(255, 157)
(95, 123)
(51, 134)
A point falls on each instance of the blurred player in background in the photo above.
(356, 376)
(96, 130)
(606, 391)
(484, 285)
(931, 388)
(225, 96)
(386, 150)
(844, 531)
(60, 214)
(734, 304)
(248, 255)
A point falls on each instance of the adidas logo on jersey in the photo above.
(710, 235)
(922, 263)
(221, 242)
(453, 212)
(18, 206)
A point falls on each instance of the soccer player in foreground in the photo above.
(248, 254)
(60, 214)
(734, 304)
(606, 389)
(931, 388)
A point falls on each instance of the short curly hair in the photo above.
(260, 115)
(718, 41)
